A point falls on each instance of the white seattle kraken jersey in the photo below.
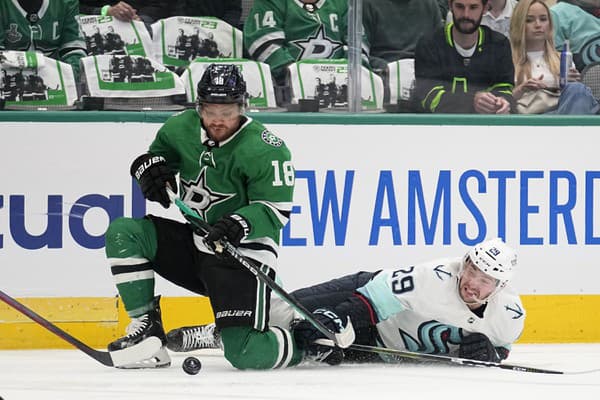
(419, 309)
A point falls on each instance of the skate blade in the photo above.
(144, 350)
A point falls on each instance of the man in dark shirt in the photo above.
(464, 67)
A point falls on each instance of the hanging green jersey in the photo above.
(250, 174)
(53, 30)
(280, 32)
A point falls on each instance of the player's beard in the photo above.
(219, 132)
(472, 28)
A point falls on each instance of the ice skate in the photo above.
(189, 338)
(141, 328)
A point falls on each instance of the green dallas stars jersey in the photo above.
(280, 32)
(53, 31)
(250, 174)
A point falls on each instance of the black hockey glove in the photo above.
(305, 335)
(232, 228)
(477, 346)
(153, 173)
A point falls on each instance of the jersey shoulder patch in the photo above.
(270, 139)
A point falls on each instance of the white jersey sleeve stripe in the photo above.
(269, 37)
(278, 209)
(114, 262)
(134, 276)
(264, 55)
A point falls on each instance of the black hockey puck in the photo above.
(191, 365)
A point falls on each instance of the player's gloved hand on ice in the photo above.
(153, 174)
(477, 346)
(305, 335)
(232, 227)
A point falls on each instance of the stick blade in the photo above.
(141, 351)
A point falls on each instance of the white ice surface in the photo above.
(72, 375)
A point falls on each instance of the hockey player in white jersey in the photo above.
(457, 306)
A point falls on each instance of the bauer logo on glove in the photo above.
(153, 174)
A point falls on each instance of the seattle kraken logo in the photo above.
(317, 46)
(200, 196)
(434, 338)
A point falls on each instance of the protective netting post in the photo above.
(355, 33)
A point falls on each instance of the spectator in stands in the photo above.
(537, 63)
(497, 16)
(53, 32)
(393, 28)
(280, 32)
(151, 11)
(148, 11)
(464, 67)
(443, 6)
(227, 10)
(579, 22)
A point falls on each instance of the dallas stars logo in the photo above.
(317, 46)
(200, 196)
(271, 139)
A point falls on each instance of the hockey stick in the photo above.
(342, 339)
(454, 360)
(127, 356)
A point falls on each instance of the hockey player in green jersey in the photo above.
(48, 26)
(239, 177)
(280, 32)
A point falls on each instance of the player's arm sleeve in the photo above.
(72, 48)
(509, 326)
(381, 296)
(163, 144)
(264, 35)
(270, 186)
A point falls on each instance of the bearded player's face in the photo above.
(467, 15)
(475, 286)
(220, 120)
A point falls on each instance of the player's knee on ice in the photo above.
(247, 348)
